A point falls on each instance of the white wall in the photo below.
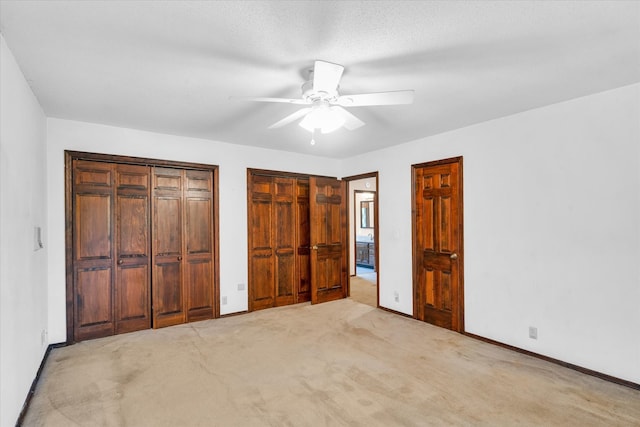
(23, 205)
(233, 161)
(551, 227)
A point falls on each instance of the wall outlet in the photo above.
(533, 332)
(396, 296)
(223, 300)
(241, 286)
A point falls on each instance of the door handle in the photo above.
(314, 247)
(454, 256)
(120, 262)
(179, 258)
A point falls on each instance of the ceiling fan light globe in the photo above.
(332, 126)
(323, 118)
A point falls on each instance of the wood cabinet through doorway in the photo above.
(141, 244)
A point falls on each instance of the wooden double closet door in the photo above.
(142, 247)
(297, 235)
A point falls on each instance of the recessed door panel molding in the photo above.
(132, 296)
(133, 226)
(168, 299)
(200, 292)
(167, 211)
(93, 231)
(438, 243)
(94, 174)
(94, 297)
(199, 225)
(139, 231)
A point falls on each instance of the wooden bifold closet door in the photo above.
(111, 248)
(182, 246)
(142, 247)
(279, 269)
(297, 239)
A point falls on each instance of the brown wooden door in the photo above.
(437, 243)
(261, 263)
(133, 248)
(198, 250)
(168, 247)
(284, 239)
(142, 247)
(328, 235)
(183, 250)
(93, 251)
(272, 241)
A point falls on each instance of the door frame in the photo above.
(460, 243)
(376, 231)
(69, 157)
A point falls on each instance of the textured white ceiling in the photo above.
(171, 66)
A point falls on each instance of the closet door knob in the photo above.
(454, 256)
(120, 262)
(179, 258)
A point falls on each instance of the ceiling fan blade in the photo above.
(396, 97)
(259, 99)
(326, 76)
(351, 122)
(290, 118)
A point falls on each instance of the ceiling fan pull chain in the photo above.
(313, 134)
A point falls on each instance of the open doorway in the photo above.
(363, 237)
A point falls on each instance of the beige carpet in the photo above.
(363, 290)
(336, 364)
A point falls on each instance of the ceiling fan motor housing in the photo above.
(311, 96)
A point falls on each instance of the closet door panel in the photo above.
(328, 239)
(284, 239)
(133, 280)
(199, 245)
(93, 252)
(261, 245)
(167, 287)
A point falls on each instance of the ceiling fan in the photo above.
(325, 106)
